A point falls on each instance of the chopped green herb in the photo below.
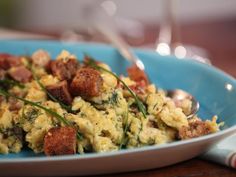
(10, 82)
(82, 114)
(139, 104)
(2, 130)
(124, 140)
(66, 107)
(14, 131)
(30, 115)
(51, 112)
(114, 98)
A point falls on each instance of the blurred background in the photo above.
(204, 27)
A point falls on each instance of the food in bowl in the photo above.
(64, 106)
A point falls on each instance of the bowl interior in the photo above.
(215, 90)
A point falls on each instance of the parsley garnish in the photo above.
(126, 127)
(51, 112)
(66, 107)
(91, 62)
(30, 115)
(11, 83)
(114, 98)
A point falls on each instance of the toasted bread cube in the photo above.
(87, 83)
(60, 91)
(64, 70)
(60, 141)
(195, 129)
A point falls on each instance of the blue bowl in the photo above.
(214, 89)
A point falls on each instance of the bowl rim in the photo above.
(143, 149)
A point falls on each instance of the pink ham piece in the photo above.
(64, 70)
(7, 61)
(20, 74)
(2, 74)
(137, 75)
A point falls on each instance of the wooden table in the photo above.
(219, 39)
(191, 168)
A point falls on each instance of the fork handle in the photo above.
(120, 44)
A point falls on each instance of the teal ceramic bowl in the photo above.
(214, 89)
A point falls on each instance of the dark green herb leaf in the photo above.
(49, 111)
(30, 115)
(113, 99)
(10, 82)
(124, 140)
(14, 131)
(66, 107)
(139, 104)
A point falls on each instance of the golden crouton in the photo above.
(87, 83)
(195, 129)
(60, 91)
(60, 141)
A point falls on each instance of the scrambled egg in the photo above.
(107, 122)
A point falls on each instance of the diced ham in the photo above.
(7, 61)
(5, 55)
(14, 104)
(41, 58)
(2, 74)
(137, 74)
(3, 61)
(64, 70)
(139, 87)
(14, 61)
(20, 74)
(60, 91)
(87, 83)
(60, 141)
(1, 99)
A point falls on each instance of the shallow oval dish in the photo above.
(215, 90)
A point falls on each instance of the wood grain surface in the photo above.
(191, 168)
